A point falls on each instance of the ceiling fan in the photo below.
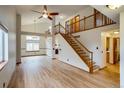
(45, 14)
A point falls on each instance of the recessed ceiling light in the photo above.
(116, 32)
(50, 27)
(113, 6)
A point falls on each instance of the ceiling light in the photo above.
(45, 15)
(113, 6)
(50, 27)
(116, 32)
(61, 17)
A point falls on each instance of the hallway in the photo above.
(41, 71)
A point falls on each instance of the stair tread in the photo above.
(81, 52)
(72, 43)
(84, 55)
(75, 45)
(87, 59)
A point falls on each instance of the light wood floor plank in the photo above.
(42, 72)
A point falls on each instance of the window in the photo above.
(3, 46)
(32, 43)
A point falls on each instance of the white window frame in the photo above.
(33, 42)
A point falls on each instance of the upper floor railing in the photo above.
(59, 29)
(90, 22)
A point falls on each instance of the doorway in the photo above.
(111, 48)
(107, 49)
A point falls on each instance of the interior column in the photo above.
(18, 38)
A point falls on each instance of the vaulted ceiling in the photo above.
(65, 11)
(113, 14)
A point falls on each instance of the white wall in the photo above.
(92, 39)
(8, 18)
(122, 49)
(37, 27)
(68, 55)
(40, 52)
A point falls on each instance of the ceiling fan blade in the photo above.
(40, 17)
(45, 7)
(36, 11)
(50, 18)
(54, 13)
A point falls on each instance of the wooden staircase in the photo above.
(85, 54)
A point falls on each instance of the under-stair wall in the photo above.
(68, 55)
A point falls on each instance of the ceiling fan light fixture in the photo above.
(61, 17)
(45, 15)
(44, 11)
(113, 6)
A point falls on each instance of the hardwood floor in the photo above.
(42, 72)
